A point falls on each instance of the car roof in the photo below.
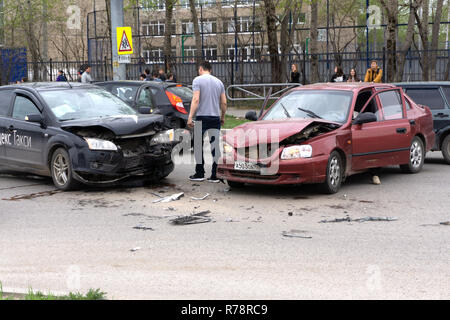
(140, 83)
(41, 86)
(423, 83)
(345, 86)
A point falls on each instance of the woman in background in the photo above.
(353, 76)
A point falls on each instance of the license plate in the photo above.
(246, 166)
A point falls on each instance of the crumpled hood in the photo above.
(120, 125)
(266, 132)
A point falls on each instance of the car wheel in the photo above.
(446, 148)
(234, 184)
(61, 170)
(416, 157)
(334, 176)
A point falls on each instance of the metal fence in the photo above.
(239, 70)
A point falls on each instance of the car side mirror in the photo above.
(144, 110)
(37, 118)
(366, 117)
(251, 115)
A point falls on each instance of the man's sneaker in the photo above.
(213, 179)
(197, 177)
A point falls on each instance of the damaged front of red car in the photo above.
(292, 143)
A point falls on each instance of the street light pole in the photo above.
(119, 69)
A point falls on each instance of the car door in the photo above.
(28, 139)
(5, 137)
(145, 98)
(387, 141)
(434, 98)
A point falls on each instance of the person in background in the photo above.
(374, 74)
(171, 77)
(24, 79)
(61, 76)
(339, 75)
(162, 74)
(86, 76)
(155, 76)
(209, 105)
(148, 76)
(353, 76)
(143, 77)
(295, 75)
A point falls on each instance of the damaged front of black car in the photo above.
(98, 139)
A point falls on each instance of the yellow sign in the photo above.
(124, 40)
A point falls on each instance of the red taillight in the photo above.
(176, 102)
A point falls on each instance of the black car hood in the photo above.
(120, 125)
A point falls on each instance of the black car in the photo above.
(436, 96)
(80, 133)
(169, 99)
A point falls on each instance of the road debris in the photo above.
(295, 234)
(32, 195)
(202, 198)
(135, 249)
(365, 219)
(201, 217)
(173, 197)
(446, 223)
(143, 228)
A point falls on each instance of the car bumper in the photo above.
(301, 171)
(98, 167)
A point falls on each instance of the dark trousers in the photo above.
(206, 123)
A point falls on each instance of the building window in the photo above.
(187, 27)
(244, 24)
(210, 53)
(209, 26)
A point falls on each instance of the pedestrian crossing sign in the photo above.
(124, 40)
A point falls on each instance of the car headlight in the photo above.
(98, 144)
(163, 137)
(227, 149)
(297, 152)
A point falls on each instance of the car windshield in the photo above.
(82, 104)
(312, 104)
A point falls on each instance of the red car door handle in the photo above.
(401, 130)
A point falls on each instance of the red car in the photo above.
(324, 133)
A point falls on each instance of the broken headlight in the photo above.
(98, 144)
(163, 137)
(297, 152)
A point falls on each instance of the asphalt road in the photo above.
(62, 242)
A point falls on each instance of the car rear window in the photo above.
(183, 92)
(5, 101)
(124, 92)
(428, 97)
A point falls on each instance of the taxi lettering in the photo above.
(5, 139)
(8, 139)
(22, 141)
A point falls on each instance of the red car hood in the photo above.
(266, 132)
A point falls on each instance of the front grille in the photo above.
(257, 152)
(250, 175)
(132, 163)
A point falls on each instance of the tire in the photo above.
(236, 185)
(335, 174)
(416, 157)
(445, 148)
(61, 170)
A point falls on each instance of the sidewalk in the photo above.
(237, 112)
